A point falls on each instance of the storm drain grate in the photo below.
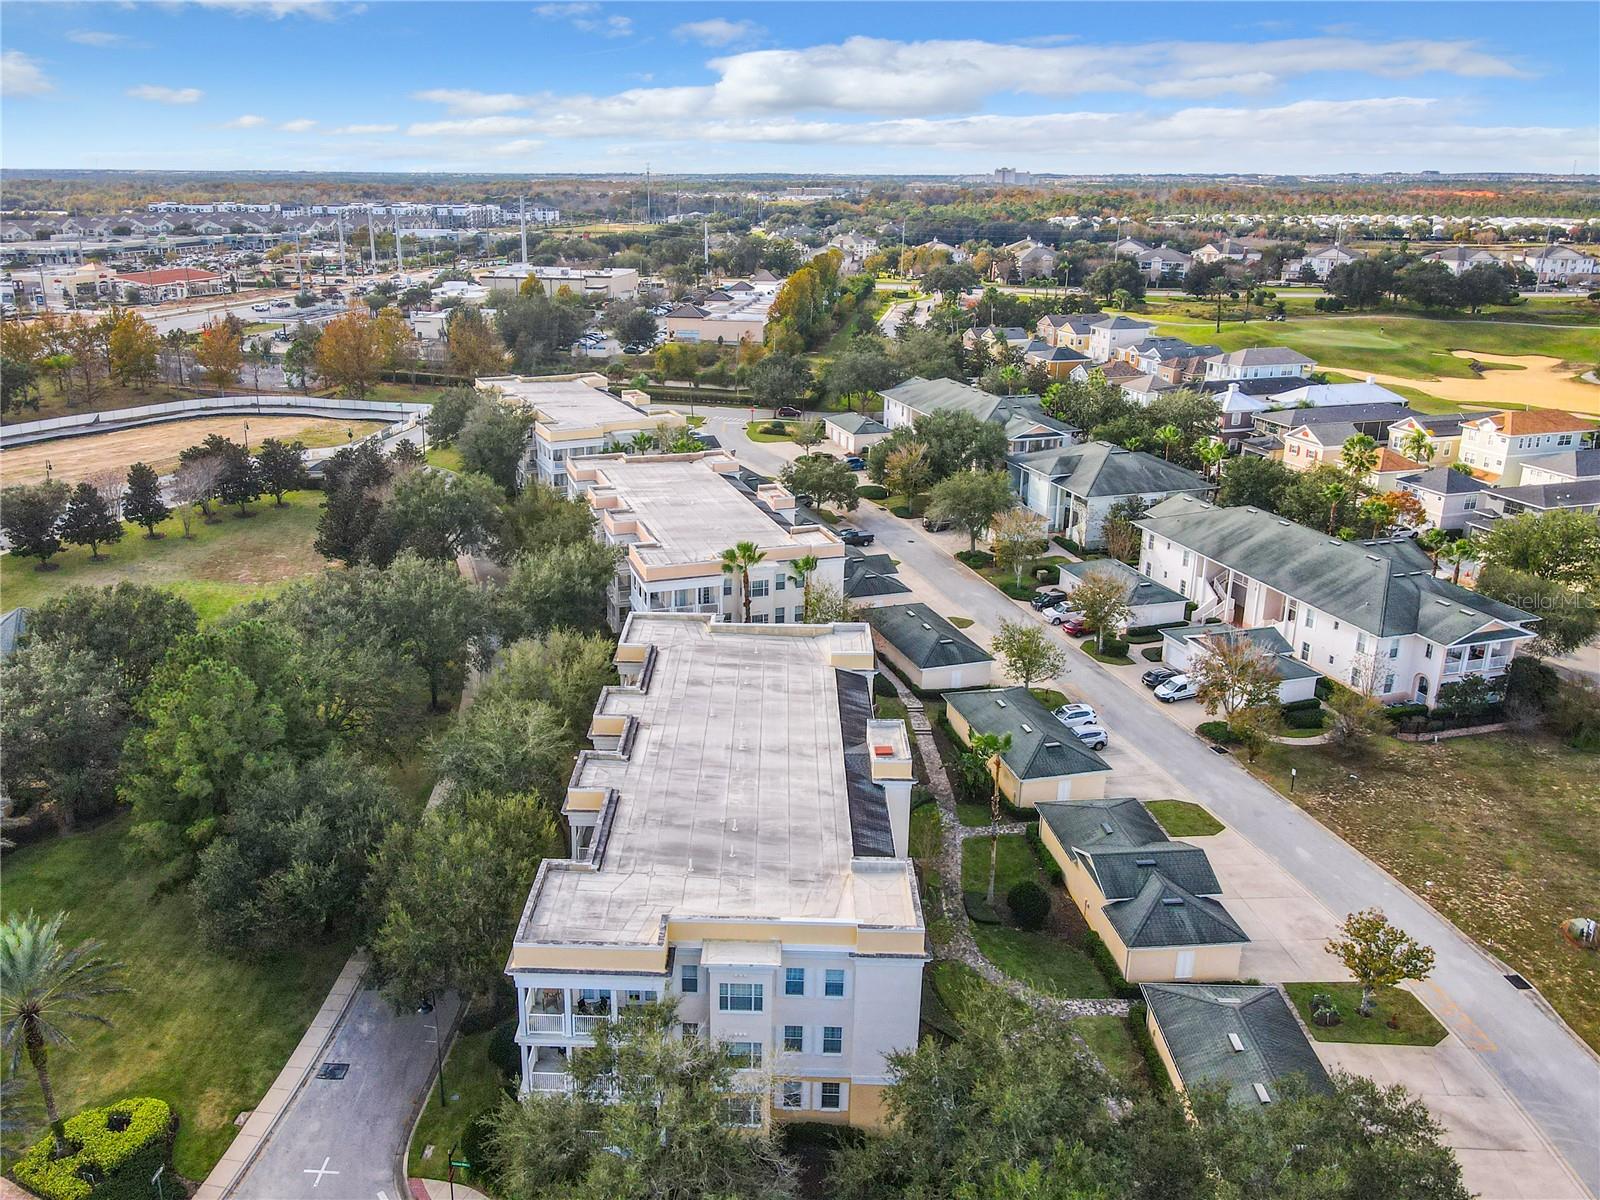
(333, 1070)
(1216, 749)
(1518, 982)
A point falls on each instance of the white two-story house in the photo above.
(739, 848)
(1075, 487)
(1371, 615)
(1260, 362)
(675, 514)
(1498, 444)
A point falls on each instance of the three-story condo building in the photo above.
(675, 514)
(739, 847)
(1371, 614)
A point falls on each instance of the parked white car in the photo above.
(1074, 715)
(1093, 736)
(1179, 687)
(1061, 613)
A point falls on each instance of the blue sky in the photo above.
(845, 87)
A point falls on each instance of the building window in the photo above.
(741, 1112)
(794, 1039)
(691, 1030)
(831, 1096)
(1150, 542)
(794, 981)
(689, 980)
(760, 619)
(781, 578)
(833, 1039)
(1336, 625)
(739, 997)
(758, 588)
(778, 615)
(833, 983)
(1427, 649)
(1361, 642)
(1388, 683)
(743, 1054)
(1311, 620)
(727, 586)
(1185, 561)
(707, 595)
(1294, 611)
(1305, 651)
(1183, 586)
(1394, 648)
(794, 1094)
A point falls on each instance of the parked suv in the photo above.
(1156, 676)
(1179, 687)
(851, 536)
(1047, 598)
(937, 524)
(1073, 715)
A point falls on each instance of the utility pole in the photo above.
(522, 217)
(339, 221)
(372, 239)
(399, 254)
(647, 193)
(705, 245)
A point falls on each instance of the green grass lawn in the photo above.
(926, 834)
(1499, 832)
(1049, 697)
(756, 431)
(1115, 660)
(1413, 1025)
(1183, 818)
(961, 622)
(474, 1085)
(1418, 347)
(1014, 864)
(1041, 960)
(224, 563)
(446, 458)
(206, 1033)
(1112, 1044)
(967, 996)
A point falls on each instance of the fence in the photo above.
(29, 432)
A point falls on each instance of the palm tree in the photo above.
(1418, 447)
(1335, 493)
(17, 1114)
(43, 984)
(1433, 541)
(1360, 455)
(1210, 451)
(738, 561)
(1377, 512)
(802, 568)
(1169, 436)
(642, 443)
(1456, 553)
(982, 754)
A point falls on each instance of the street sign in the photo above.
(464, 1165)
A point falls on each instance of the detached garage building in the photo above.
(1296, 680)
(1149, 602)
(1242, 1038)
(1045, 761)
(1148, 897)
(932, 654)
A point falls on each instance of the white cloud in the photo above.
(161, 94)
(516, 148)
(348, 130)
(465, 102)
(587, 18)
(298, 125)
(718, 31)
(97, 37)
(22, 76)
(276, 10)
(476, 127)
(245, 121)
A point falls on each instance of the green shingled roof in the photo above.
(948, 395)
(924, 637)
(1041, 746)
(1386, 588)
(1196, 1019)
(1145, 590)
(1102, 469)
(1165, 914)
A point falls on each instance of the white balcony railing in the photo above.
(582, 1024)
(549, 1081)
(545, 1022)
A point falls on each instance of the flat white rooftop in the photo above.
(571, 403)
(732, 799)
(691, 512)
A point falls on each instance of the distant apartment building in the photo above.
(573, 415)
(727, 315)
(674, 515)
(589, 283)
(739, 848)
(1371, 614)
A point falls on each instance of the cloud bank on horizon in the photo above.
(859, 88)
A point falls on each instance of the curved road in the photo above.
(1554, 1076)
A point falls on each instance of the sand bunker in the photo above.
(1543, 382)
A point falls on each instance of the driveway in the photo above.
(1288, 926)
(1501, 1153)
(1512, 1033)
(346, 1139)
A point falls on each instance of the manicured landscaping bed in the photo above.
(474, 1084)
(1112, 660)
(1014, 864)
(203, 1032)
(1413, 1024)
(1184, 818)
(227, 562)
(1500, 832)
(758, 431)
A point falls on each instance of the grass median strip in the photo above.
(1184, 818)
(1400, 1019)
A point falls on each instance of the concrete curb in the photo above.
(302, 1063)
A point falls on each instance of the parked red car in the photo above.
(1076, 627)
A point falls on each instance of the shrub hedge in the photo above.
(1029, 904)
(872, 491)
(1400, 712)
(1217, 731)
(115, 1150)
(1297, 705)
(1305, 718)
(1094, 946)
(1115, 648)
(978, 560)
(1047, 864)
(1070, 546)
(1139, 1029)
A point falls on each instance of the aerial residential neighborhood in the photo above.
(629, 616)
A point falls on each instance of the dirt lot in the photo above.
(76, 458)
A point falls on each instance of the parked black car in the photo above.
(1046, 597)
(789, 412)
(937, 524)
(851, 536)
(1156, 676)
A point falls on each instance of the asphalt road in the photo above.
(1553, 1075)
(346, 1139)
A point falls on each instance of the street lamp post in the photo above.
(425, 1008)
